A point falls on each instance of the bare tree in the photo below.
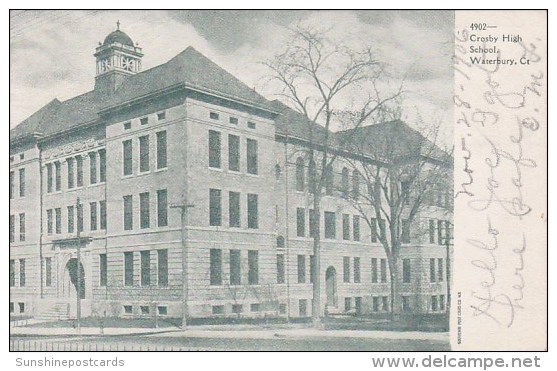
(319, 78)
(403, 171)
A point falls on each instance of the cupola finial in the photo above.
(118, 24)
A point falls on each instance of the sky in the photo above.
(51, 52)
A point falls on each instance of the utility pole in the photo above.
(184, 222)
(78, 286)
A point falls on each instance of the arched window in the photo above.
(278, 171)
(355, 184)
(312, 174)
(280, 242)
(345, 181)
(329, 180)
(300, 174)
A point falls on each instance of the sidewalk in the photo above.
(233, 332)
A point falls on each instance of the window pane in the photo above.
(22, 227)
(58, 214)
(103, 214)
(92, 167)
(145, 268)
(144, 153)
(406, 270)
(162, 208)
(71, 174)
(252, 211)
(253, 267)
(58, 173)
(215, 211)
(383, 270)
(71, 219)
(300, 222)
(102, 165)
(374, 270)
(93, 216)
(128, 157)
(280, 268)
(162, 267)
(432, 270)
(144, 213)
(356, 227)
(440, 270)
(161, 149)
(214, 149)
(80, 217)
(79, 165)
(345, 226)
(48, 272)
(233, 152)
(330, 224)
(346, 269)
(357, 276)
(215, 266)
(128, 213)
(252, 156)
(128, 269)
(21, 272)
(103, 270)
(300, 174)
(235, 267)
(234, 209)
(49, 178)
(301, 269)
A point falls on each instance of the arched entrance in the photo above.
(70, 279)
(331, 286)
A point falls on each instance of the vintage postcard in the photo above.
(286, 180)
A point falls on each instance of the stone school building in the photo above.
(184, 166)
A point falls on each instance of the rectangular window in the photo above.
(21, 272)
(347, 304)
(71, 219)
(102, 165)
(358, 305)
(144, 153)
(217, 309)
(346, 269)
(162, 208)
(80, 217)
(356, 227)
(432, 272)
(58, 176)
(145, 268)
(22, 182)
(345, 226)
(280, 268)
(313, 223)
(92, 167)
(128, 309)
(161, 150)
(128, 213)
(373, 230)
(49, 178)
(255, 307)
(440, 270)
(58, 215)
(48, 271)
(71, 171)
(22, 227)
(214, 149)
(49, 221)
(383, 270)
(235, 267)
(144, 120)
(234, 209)
(12, 273)
(253, 267)
(128, 269)
(303, 307)
(406, 304)
(79, 166)
(233, 120)
(252, 156)
(215, 266)
(12, 180)
(102, 206)
(405, 231)
(251, 125)
(440, 232)
(448, 234)
(215, 208)
(127, 125)
(442, 302)
(161, 115)
(431, 231)
(127, 148)
(144, 213)
(103, 269)
(162, 269)
(12, 228)
(253, 211)
(213, 115)
(376, 303)
(406, 273)
(374, 270)
(357, 274)
(434, 303)
(233, 152)
(301, 269)
(237, 308)
(300, 222)
(330, 224)
(385, 302)
(93, 215)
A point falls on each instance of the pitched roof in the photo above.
(193, 69)
(294, 124)
(189, 68)
(389, 141)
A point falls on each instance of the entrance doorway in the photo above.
(70, 279)
(331, 286)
